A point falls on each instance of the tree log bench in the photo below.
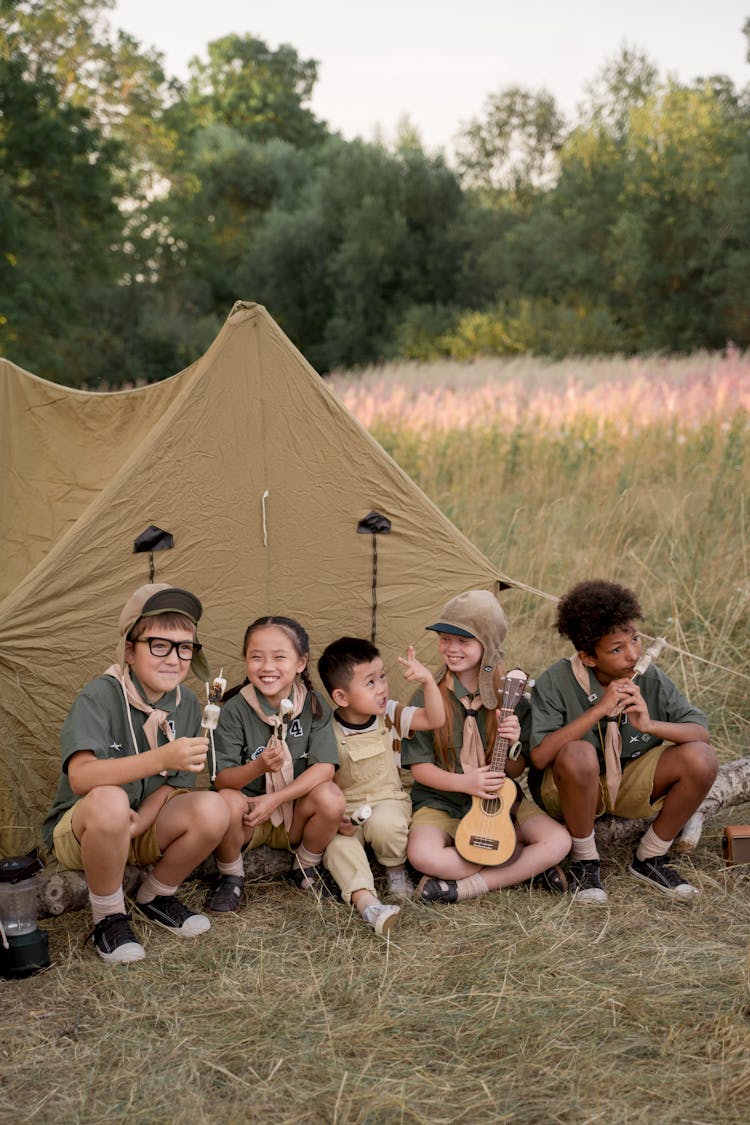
(59, 890)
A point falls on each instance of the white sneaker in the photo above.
(400, 885)
(381, 918)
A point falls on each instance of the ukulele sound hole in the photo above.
(492, 806)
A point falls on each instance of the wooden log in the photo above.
(59, 889)
(731, 787)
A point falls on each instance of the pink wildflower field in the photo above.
(627, 394)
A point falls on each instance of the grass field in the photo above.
(517, 1007)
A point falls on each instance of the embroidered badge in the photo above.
(295, 729)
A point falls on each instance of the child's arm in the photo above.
(262, 807)
(144, 816)
(237, 777)
(432, 715)
(545, 752)
(636, 708)
(482, 782)
(86, 771)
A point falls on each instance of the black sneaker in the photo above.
(115, 941)
(226, 895)
(552, 880)
(430, 889)
(659, 874)
(169, 912)
(584, 880)
(311, 879)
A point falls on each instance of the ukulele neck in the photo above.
(502, 745)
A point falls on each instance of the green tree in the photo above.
(59, 223)
(261, 93)
(513, 148)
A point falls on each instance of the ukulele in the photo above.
(486, 835)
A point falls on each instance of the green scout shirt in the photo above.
(241, 737)
(557, 699)
(98, 721)
(421, 748)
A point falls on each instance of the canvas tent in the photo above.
(260, 476)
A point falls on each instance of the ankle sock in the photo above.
(306, 858)
(103, 905)
(583, 847)
(235, 867)
(151, 887)
(652, 845)
(471, 887)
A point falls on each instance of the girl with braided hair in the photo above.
(276, 755)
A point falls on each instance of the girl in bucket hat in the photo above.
(449, 765)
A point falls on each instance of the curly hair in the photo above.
(593, 609)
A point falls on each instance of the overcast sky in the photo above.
(436, 61)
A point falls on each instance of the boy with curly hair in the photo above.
(601, 742)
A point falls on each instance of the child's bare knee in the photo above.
(700, 762)
(577, 763)
(104, 808)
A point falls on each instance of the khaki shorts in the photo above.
(272, 835)
(438, 818)
(143, 849)
(633, 796)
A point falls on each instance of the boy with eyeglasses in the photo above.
(131, 747)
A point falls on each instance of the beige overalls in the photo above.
(368, 774)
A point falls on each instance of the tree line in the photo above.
(134, 209)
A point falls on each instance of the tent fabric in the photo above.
(261, 476)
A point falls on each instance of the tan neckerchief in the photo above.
(279, 779)
(612, 738)
(156, 721)
(472, 747)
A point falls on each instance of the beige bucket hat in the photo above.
(477, 614)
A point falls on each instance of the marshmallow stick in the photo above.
(653, 652)
(211, 713)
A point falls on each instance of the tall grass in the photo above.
(515, 1007)
(598, 468)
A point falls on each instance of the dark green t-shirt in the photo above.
(421, 748)
(557, 698)
(98, 721)
(241, 737)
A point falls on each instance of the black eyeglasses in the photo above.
(160, 646)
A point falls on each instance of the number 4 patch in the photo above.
(295, 729)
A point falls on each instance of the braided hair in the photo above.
(301, 642)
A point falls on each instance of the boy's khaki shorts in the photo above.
(633, 796)
(144, 850)
(438, 818)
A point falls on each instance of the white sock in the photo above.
(583, 847)
(306, 858)
(651, 845)
(151, 887)
(103, 905)
(236, 867)
(471, 887)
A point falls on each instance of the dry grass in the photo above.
(516, 1007)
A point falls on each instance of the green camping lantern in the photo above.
(23, 946)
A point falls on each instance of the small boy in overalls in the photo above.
(369, 727)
